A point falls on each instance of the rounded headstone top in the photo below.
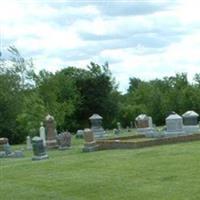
(142, 117)
(3, 140)
(87, 130)
(95, 116)
(173, 116)
(190, 113)
(36, 138)
(49, 118)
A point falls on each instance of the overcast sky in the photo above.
(145, 39)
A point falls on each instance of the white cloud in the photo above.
(148, 43)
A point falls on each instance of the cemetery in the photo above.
(99, 100)
(178, 129)
(69, 162)
(72, 135)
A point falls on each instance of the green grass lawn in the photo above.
(168, 172)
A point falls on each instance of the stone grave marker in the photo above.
(144, 125)
(64, 140)
(28, 143)
(6, 151)
(51, 132)
(79, 134)
(39, 151)
(42, 133)
(190, 121)
(90, 143)
(96, 126)
(174, 124)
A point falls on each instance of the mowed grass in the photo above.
(168, 172)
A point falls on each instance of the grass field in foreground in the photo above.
(169, 172)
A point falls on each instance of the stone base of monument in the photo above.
(145, 130)
(90, 147)
(2, 154)
(52, 144)
(98, 133)
(191, 129)
(152, 133)
(64, 148)
(174, 133)
(34, 158)
(15, 154)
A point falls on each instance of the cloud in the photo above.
(145, 39)
(127, 8)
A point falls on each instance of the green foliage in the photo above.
(32, 114)
(97, 90)
(72, 95)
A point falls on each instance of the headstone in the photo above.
(18, 154)
(79, 134)
(131, 124)
(7, 148)
(144, 125)
(142, 121)
(190, 118)
(38, 149)
(51, 132)
(190, 121)
(42, 133)
(118, 125)
(2, 154)
(174, 124)
(28, 143)
(2, 142)
(96, 125)
(90, 143)
(64, 140)
(6, 151)
(128, 129)
(116, 131)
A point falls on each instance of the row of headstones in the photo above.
(175, 123)
(96, 127)
(50, 139)
(49, 136)
(39, 149)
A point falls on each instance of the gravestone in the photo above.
(143, 121)
(28, 143)
(79, 134)
(118, 125)
(42, 133)
(5, 146)
(131, 125)
(64, 140)
(96, 125)
(118, 128)
(128, 129)
(51, 132)
(190, 121)
(144, 125)
(174, 124)
(90, 143)
(38, 149)
(2, 142)
(6, 151)
(116, 131)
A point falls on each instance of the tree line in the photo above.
(72, 95)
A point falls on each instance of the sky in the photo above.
(146, 39)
